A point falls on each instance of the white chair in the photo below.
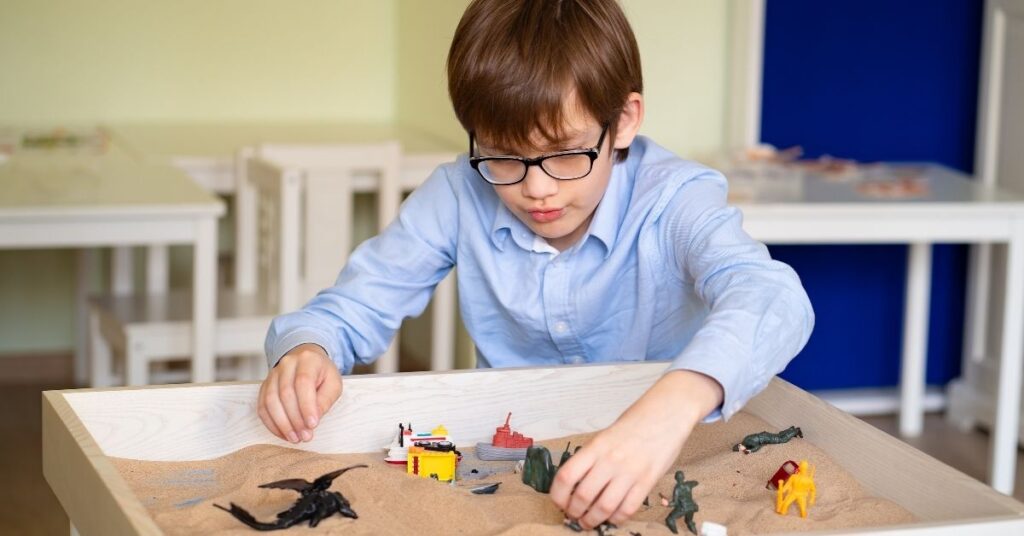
(998, 162)
(339, 176)
(290, 226)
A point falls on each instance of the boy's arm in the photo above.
(759, 318)
(760, 315)
(386, 279)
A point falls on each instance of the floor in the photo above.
(27, 507)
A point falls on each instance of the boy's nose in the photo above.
(538, 184)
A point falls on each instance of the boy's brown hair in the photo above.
(514, 63)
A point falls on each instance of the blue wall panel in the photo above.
(873, 80)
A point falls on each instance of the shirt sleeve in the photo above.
(759, 314)
(387, 278)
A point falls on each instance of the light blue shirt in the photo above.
(665, 272)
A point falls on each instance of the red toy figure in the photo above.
(506, 438)
(505, 445)
(782, 474)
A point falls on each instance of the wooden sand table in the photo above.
(180, 495)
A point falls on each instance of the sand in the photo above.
(180, 495)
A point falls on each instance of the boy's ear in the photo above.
(630, 119)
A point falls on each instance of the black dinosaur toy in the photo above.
(315, 504)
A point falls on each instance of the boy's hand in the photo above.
(297, 392)
(609, 478)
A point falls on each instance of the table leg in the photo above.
(1004, 436)
(157, 268)
(204, 300)
(976, 314)
(246, 214)
(100, 360)
(442, 335)
(915, 339)
(85, 264)
(122, 271)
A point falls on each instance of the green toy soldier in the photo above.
(754, 442)
(682, 504)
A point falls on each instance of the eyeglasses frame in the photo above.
(592, 153)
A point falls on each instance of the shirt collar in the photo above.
(505, 224)
(609, 214)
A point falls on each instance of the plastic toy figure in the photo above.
(486, 489)
(800, 487)
(505, 445)
(433, 459)
(782, 474)
(601, 529)
(708, 528)
(538, 471)
(315, 504)
(754, 442)
(682, 504)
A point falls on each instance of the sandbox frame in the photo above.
(83, 427)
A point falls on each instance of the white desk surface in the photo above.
(808, 208)
(73, 186)
(947, 188)
(219, 140)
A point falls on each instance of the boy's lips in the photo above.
(546, 216)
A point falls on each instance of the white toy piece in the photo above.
(708, 528)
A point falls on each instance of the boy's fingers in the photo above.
(607, 503)
(328, 392)
(268, 422)
(290, 402)
(567, 477)
(261, 410)
(587, 491)
(277, 412)
(305, 390)
(634, 498)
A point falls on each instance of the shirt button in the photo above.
(575, 360)
(561, 327)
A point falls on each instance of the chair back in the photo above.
(303, 225)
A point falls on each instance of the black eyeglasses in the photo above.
(563, 165)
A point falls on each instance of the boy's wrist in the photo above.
(304, 348)
(691, 395)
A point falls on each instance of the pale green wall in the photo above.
(425, 31)
(126, 60)
(683, 51)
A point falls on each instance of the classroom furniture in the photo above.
(322, 167)
(999, 162)
(55, 201)
(83, 429)
(215, 155)
(808, 208)
(302, 226)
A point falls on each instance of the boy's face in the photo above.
(559, 210)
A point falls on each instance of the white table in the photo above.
(213, 154)
(813, 210)
(52, 200)
(207, 152)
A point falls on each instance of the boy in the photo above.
(576, 241)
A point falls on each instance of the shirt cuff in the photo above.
(735, 380)
(277, 349)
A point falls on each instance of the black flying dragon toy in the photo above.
(315, 504)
